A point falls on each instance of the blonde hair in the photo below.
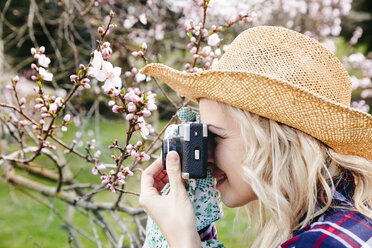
(290, 171)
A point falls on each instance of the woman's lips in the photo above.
(220, 178)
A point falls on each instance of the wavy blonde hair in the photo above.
(289, 171)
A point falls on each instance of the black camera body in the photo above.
(191, 144)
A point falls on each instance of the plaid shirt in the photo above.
(336, 228)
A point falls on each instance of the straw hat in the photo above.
(284, 76)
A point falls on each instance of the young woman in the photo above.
(285, 142)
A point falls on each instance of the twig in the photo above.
(90, 194)
(99, 245)
(65, 196)
(51, 207)
(205, 6)
(126, 192)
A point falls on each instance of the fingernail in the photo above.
(173, 157)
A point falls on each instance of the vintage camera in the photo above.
(191, 144)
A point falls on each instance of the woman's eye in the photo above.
(213, 137)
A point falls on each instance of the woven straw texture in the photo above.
(284, 76)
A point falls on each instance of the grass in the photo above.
(25, 222)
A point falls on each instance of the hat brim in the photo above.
(344, 129)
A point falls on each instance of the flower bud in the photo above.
(94, 171)
(101, 167)
(129, 147)
(146, 113)
(16, 79)
(117, 108)
(67, 118)
(86, 86)
(128, 74)
(41, 50)
(129, 117)
(73, 78)
(34, 78)
(101, 30)
(33, 51)
(42, 109)
(22, 101)
(64, 128)
(131, 107)
(106, 44)
(82, 67)
(144, 46)
(34, 67)
(45, 115)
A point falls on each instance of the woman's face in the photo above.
(226, 153)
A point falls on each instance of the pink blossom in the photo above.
(106, 53)
(139, 144)
(22, 101)
(366, 93)
(129, 147)
(47, 76)
(143, 19)
(34, 67)
(117, 109)
(129, 117)
(44, 115)
(140, 77)
(64, 128)
(127, 171)
(100, 30)
(143, 157)
(33, 51)
(13, 117)
(85, 81)
(142, 127)
(67, 118)
(146, 113)
(41, 50)
(94, 171)
(105, 179)
(86, 86)
(59, 101)
(129, 22)
(131, 107)
(43, 109)
(101, 167)
(112, 188)
(24, 122)
(213, 40)
(97, 154)
(43, 60)
(53, 108)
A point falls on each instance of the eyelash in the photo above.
(214, 136)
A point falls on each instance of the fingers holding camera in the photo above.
(174, 171)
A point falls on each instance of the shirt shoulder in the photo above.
(339, 229)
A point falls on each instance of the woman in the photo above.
(285, 142)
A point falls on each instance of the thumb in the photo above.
(174, 170)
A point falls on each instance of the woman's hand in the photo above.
(173, 213)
